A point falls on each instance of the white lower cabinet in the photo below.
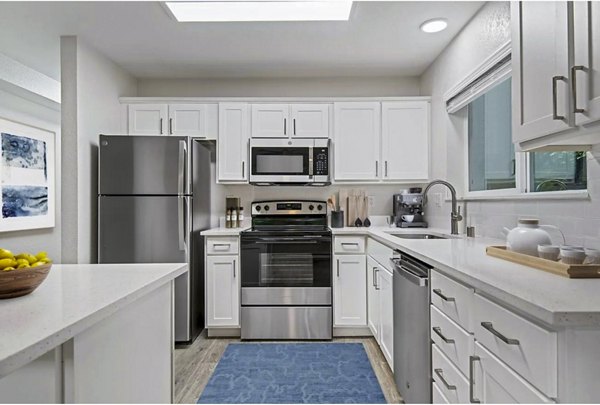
(494, 382)
(222, 291)
(350, 290)
(449, 379)
(380, 307)
(373, 307)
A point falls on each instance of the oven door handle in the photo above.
(287, 241)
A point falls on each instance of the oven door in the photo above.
(281, 161)
(286, 269)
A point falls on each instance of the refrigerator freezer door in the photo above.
(143, 165)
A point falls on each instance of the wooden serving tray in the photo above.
(562, 269)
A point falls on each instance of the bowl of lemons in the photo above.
(22, 273)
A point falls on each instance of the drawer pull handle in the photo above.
(490, 328)
(472, 360)
(438, 331)
(438, 292)
(438, 372)
(215, 245)
(350, 243)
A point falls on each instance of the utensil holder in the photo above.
(337, 219)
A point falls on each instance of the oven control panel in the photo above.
(289, 208)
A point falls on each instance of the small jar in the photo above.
(241, 217)
(228, 218)
(234, 218)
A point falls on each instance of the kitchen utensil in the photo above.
(343, 204)
(528, 235)
(592, 256)
(16, 283)
(330, 204)
(366, 221)
(408, 218)
(571, 256)
(334, 202)
(549, 252)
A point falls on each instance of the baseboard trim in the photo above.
(343, 331)
(223, 332)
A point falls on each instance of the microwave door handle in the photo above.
(310, 162)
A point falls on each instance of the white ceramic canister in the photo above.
(527, 236)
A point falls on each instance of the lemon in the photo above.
(37, 264)
(8, 268)
(46, 260)
(41, 255)
(6, 254)
(29, 257)
(23, 266)
(4, 263)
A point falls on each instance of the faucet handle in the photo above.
(457, 215)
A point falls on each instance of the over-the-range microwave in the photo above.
(292, 162)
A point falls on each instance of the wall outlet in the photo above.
(438, 199)
(371, 201)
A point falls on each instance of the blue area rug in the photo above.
(294, 373)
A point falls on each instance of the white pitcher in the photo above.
(528, 234)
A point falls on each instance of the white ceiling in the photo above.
(381, 39)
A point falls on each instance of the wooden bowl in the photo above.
(19, 282)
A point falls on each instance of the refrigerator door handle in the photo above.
(181, 219)
(181, 168)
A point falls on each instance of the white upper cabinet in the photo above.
(197, 120)
(309, 120)
(147, 119)
(290, 120)
(270, 120)
(232, 144)
(405, 140)
(356, 140)
(540, 69)
(586, 68)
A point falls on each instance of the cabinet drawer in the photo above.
(451, 339)
(453, 299)
(349, 244)
(453, 385)
(437, 395)
(527, 348)
(222, 246)
(381, 253)
(496, 383)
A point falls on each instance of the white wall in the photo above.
(486, 32)
(29, 112)
(290, 87)
(98, 83)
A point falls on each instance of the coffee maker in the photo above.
(408, 204)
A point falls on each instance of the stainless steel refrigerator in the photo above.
(153, 202)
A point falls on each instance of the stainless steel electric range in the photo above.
(286, 272)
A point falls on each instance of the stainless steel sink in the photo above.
(418, 236)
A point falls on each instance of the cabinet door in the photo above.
(405, 140)
(197, 120)
(496, 383)
(222, 291)
(540, 88)
(232, 145)
(147, 119)
(356, 141)
(586, 70)
(386, 330)
(373, 306)
(270, 120)
(350, 290)
(310, 120)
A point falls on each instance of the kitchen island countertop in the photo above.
(71, 299)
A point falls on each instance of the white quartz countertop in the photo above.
(224, 231)
(71, 299)
(553, 299)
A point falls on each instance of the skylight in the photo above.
(230, 11)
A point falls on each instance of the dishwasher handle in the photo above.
(410, 276)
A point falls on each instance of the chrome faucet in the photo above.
(455, 214)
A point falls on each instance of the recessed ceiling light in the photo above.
(434, 25)
(229, 11)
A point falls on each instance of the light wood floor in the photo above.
(195, 363)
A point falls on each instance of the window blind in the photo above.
(491, 77)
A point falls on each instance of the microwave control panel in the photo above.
(321, 164)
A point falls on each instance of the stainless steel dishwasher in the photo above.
(412, 342)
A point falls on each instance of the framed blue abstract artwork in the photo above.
(27, 177)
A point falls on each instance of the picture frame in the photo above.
(27, 177)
